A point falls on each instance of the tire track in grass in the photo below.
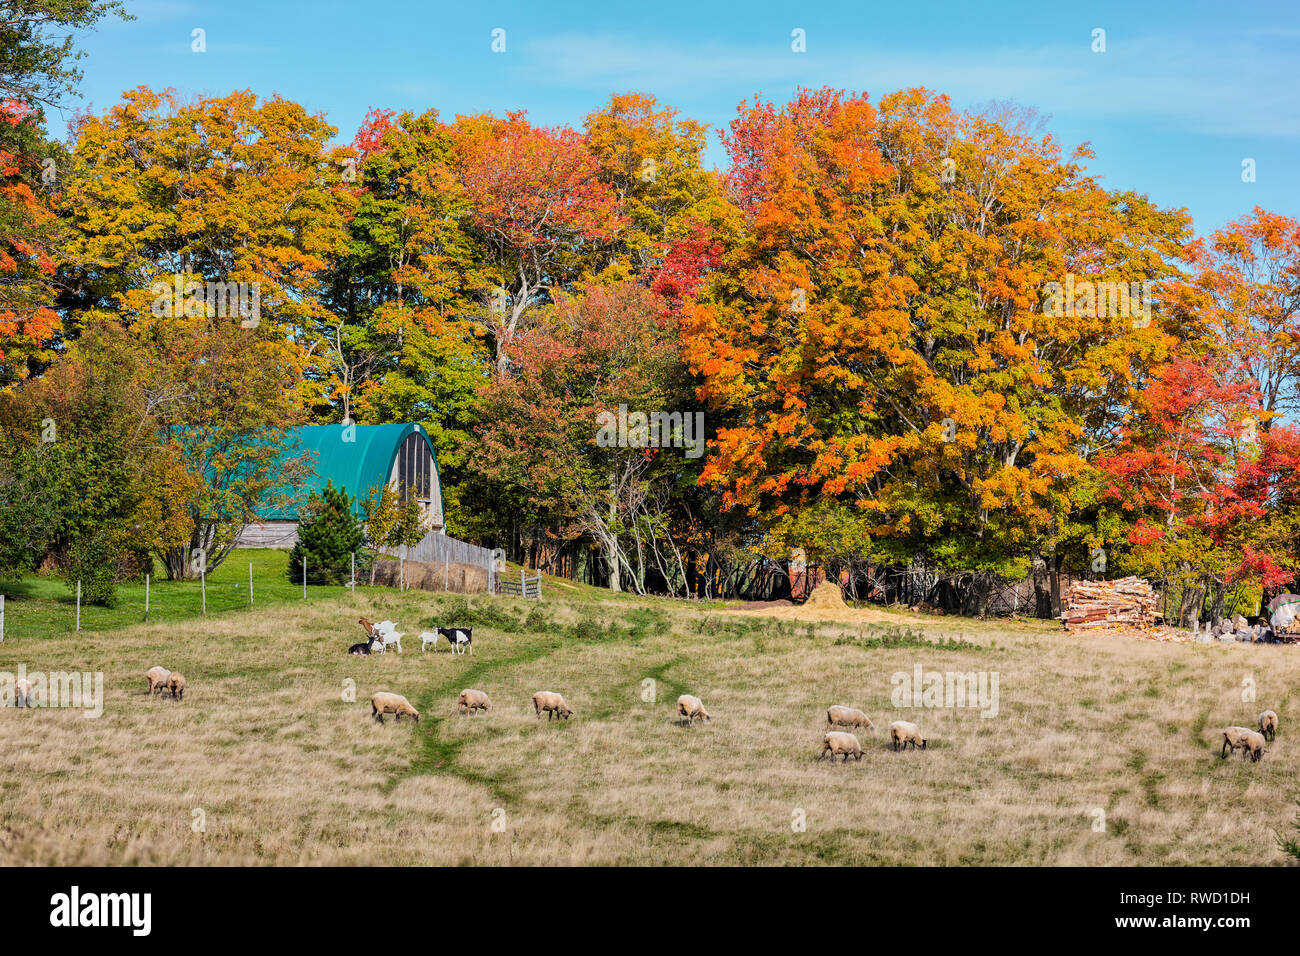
(610, 697)
(441, 754)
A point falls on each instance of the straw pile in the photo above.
(1126, 603)
(826, 596)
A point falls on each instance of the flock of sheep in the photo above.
(1250, 742)
(689, 708)
(471, 701)
(836, 742)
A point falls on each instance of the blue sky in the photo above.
(1183, 93)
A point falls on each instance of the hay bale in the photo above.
(429, 575)
(826, 596)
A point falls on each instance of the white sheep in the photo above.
(838, 742)
(384, 703)
(23, 690)
(1250, 743)
(157, 677)
(472, 700)
(553, 704)
(905, 732)
(840, 716)
(1268, 724)
(427, 638)
(176, 684)
(690, 707)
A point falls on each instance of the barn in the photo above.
(356, 458)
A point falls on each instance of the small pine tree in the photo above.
(328, 534)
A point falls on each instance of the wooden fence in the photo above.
(524, 587)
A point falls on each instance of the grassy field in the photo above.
(268, 753)
(40, 606)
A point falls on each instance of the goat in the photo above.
(458, 637)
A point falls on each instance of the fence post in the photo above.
(446, 572)
(304, 574)
(203, 587)
(523, 583)
(146, 598)
(401, 570)
(2, 618)
(353, 587)
(250, 583)
(78, 605)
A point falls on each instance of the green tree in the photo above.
(72, 463)
(329, 534)
(28, 512)
(37, 55)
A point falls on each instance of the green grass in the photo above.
(898, 636)
(44, 605)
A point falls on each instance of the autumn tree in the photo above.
(225, 404)
(541, 210)
(28, 244)
(879, 335)
(599, 357)
(406, 329)
(38, 69)
(1243, 299)
(653, 160)
(218, 197)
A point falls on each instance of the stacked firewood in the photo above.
(1128, 602)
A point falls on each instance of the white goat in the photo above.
(386, 634)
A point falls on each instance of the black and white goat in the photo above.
(365, 647)
(458, 638)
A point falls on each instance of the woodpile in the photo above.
(1128, 602)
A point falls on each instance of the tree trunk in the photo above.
(1054, 581)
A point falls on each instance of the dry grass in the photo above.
(287, 772)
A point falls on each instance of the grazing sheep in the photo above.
(838, 742)
(1250, 743)
(157, 677)
(23, 690)
(472, 700)
(1268, 724)
(905, 732)
(553, 704)
(458, 637)
(384, 703)
(176, 684)
(690, 707)
(840, 716)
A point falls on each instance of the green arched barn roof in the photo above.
(355, 458)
